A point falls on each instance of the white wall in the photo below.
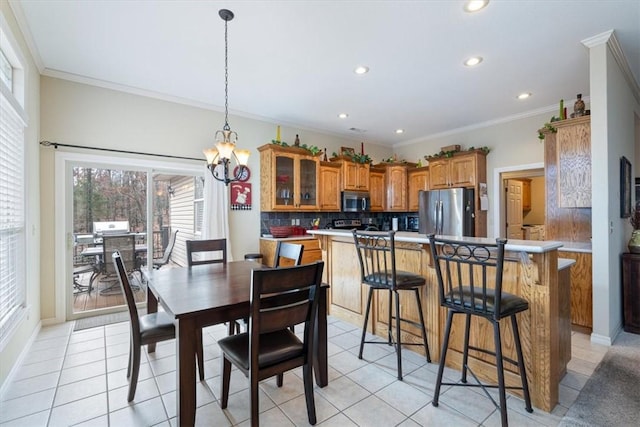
(75, 113)
(512, 143)
(29, 325)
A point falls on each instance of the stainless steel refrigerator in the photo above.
(447, 212)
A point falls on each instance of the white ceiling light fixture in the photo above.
(524, 95)
(220, 156)
(343, 115)
(473, 61)
(361, 69)
(475, 5)
(399, 131)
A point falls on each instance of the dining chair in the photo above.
(288, 254)
(280, 297)
(146, 329)
(159, 262)
(377, 256)
(470, 283)
(212, 245)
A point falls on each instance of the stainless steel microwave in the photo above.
(355, 201)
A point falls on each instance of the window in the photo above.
(6, 71)
(12, 208)
(198, 204)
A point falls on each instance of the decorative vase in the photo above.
(578, 107)
(634, 242)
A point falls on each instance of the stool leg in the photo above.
(521, 366)
(390, 322)
(398, 336)
(443, 358)
(366, 320)
(424, 331)
(465, 354)
(500, 369)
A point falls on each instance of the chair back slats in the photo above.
(283, 297)
(211, 245)
(126, 290)
(125, 244)
(464, 271)
(376, 255)
(288, 254)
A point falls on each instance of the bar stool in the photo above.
(377, 256)
(464, 272)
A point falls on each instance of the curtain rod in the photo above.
(57, 144)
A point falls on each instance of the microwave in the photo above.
(355, 201)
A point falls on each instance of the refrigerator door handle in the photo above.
(439, 218)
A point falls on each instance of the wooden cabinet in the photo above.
(288, 179)
(329, 191)
(310, 253)
(573, 151)
(395, 179)
(461, 170)
(526, 194)
(376, 190)
(631, 292)
(581, 288)
(418, 179)
(355, 176)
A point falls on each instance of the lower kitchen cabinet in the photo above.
(310, 253)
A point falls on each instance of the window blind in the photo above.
(12, 217)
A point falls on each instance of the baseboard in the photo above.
(18, 363)
(604, 340)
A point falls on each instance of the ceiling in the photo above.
(291, 62)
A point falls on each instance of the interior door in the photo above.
(514, 209)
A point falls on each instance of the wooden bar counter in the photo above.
(530, 270)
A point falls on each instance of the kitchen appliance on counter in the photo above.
(447, 212)
(413, 223)
(355, 201)
(351, 224)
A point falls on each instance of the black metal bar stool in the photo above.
(464, 272)
(377, 256)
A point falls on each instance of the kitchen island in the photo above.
(531, 269)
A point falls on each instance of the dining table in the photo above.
(210, 294)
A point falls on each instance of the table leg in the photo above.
(320, 363)
(186, 372)
(152, 307)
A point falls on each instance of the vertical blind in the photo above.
(12, 217)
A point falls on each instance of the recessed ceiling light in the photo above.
(399, 130)
(473, 61)
(361, 69)
(475, 5)
(524, 95)
(343, 115)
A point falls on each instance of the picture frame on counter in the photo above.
(625, 187)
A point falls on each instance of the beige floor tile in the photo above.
(37, 419)
(31, 385)
(145, 413)
(442, 416)
(102, 421)
(273, 417)
(342, 393)
(69, 414)
(40, 368)
(296, 410)
(80, 390)
(204, 396)
(371, 378)
(574, 380)
(346, 362)
(238, 409)
(45, 355)
(374, 411)
(86, 335)
(581, 366)
(83, 358)
(338, 420)
(210, 415)
(117, 379)
(26, 405)
(403, 397)
(292, 387)
(469, 403)
(79, 347)
(145, 390)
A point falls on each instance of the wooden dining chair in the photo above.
(146, 329)
(288, 254)
(211, 245)
(280, 297)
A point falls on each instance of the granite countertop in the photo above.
(576, 247)
(530, 246)
(284, 239)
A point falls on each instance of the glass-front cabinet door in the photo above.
(285, 180)
(308, 183)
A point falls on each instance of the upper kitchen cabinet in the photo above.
(329, 191)
(288, 179)
(376, 189)
(395, 186)
(418, 180)
(355, 176)
(573, 150)
(464, 169)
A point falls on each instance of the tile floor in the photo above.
(79, 378)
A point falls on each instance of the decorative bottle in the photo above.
(578, 107)
(297, 141)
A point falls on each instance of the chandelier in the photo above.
(219, 158)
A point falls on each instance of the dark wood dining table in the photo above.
(210, 294)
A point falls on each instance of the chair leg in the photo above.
(225, 377)
(253, 399)
(521, 365)
(135, 370)
(308, 392)
(366, 320)
(398, 335)
(200, 354)
(424, 331)
(500, 369)
(130, 358)
(465, 353)
(279, 380)
(443, 358)
(390, 322)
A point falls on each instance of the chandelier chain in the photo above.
(226, 78)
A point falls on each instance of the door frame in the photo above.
(63, 208)
(499, 203)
